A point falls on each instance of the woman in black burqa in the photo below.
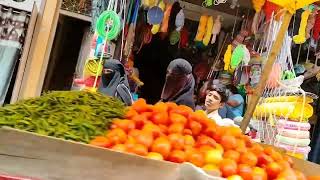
(179, 85)
(114, 81)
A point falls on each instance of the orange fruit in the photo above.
(264, 160)
(210, 131)
(256, 149)
(195, 127)
(131, 113)
(205, 148)
(219, 147)
(234, 131)
(199, 116)
(139, 120)
(160, 118)
(130, 143)
(101, 141)
(163, 129)
(176, 128)
(160, 107)
(153, 129)
(259, 174)
(235, 177)
(144, 138)
(273, 170)
(218, 133)
(161, 145)
(205, 140)
(140, 106)
(117, 136)
(195, 157)
(249, 142)
(123, 124)
(189, 141)
(171, 106)
(231, 154)
(182, 110)
(210, 167)
(139, 149)
(269, 151)
(177, 118)
(249, 158)
(119, 148)
(228, 142)
(177, 156)
(245, 171)
(228, 167)
(148, 115)
(134, 132)
(187, 132)
(276, 156)
(155, 156)
(177, 141)
(213, 156)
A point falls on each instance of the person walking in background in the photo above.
(179, 85)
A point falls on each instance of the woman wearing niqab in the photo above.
(179, 85)
(114, 81)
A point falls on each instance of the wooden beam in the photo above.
(224, 7)
(266, 71)
(40, 50)
(193, 12)
(25, 55)
(75, 15)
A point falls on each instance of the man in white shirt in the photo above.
(214, 100)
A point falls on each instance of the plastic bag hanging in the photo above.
(216, 29)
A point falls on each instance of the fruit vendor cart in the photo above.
(42, 158)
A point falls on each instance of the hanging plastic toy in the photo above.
(301, 37)
(166, 17)
(202, 28)
(179, 20)
(155, 28)
(227, 57)
(112, 20)
(208, 33)
(237, 56)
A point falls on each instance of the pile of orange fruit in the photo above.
(171, 132)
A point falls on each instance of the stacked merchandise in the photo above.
(290, 114)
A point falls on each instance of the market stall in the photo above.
(103, 132)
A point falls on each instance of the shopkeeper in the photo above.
(179, 85)
(215, 100)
